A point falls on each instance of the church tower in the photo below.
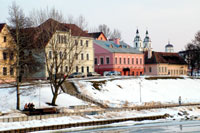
(147, 42)
(138, 42)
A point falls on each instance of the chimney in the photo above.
(116, 41)
(149, 53)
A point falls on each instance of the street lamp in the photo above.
(140, 83)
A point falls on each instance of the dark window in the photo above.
(4, 71)
(120, 60)
(87, 56)
(76, 42)
(150, 69)
(86, 43)
(95, 61)
(11, 71)
(66, 68)
(82, 69)
(61, 69)
(65, 55)
(76, 56)
(4, 55)
(4, 38)
(128, 61)
(60, 55)
(144, 69)
(124, 60)
(133, 73)
(65, 39)
(82, 57)
(107, 60)
(88, 69)
(81, 42)
(11, 56)
(76, 68)
(115, 60)
(141, 61)
(50, 55)
(102, 62)
(132, 60)
(58, 37)
(137, 61)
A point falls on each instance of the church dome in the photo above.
(169, 45)
(137, 37)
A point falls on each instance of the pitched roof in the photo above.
(117, 48)
(44, 32)
(1, 26)
(97, 34)
(164, 57)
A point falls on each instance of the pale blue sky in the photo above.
(174, 20)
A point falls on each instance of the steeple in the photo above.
(147, 41)
(138, 42)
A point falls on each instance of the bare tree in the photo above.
(18, 22)
(115, 34)
(105, 29)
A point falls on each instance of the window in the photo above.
(124, 60)
(4, 39)
(11, 71)
(4, 55)
(115, 60)
(65, 55)
(159, 69)
(144, 69)
(76, 68)
(60, 55)
(76, 56)
(120, 60)
(102, 62)
(107, 60)
(66, 68)
(133, 73)
(65, 39)
(86, 43)
(88, 69)
(82, 57)
(128, 61)
(4, 71)
(61, 69)
(136, 60)
(162, 69)
(81, 42)
(50, 54)
(150, 69)
(76, 42)
(141, 61)
(11, 56)
(82, 69)
(95, 61)
(87, 56)
(58, 37)
(165, 69)
(132, 60)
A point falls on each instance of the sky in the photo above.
(176, 21)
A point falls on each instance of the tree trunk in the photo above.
(18, 95)
(55, 96)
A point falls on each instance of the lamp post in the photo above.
(140, 83)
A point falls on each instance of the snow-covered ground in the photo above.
(136, 91)
(39, 95)
(177, 113)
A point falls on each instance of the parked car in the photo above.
(76, 75)
(113, 73)
(93, 74)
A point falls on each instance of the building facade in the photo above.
(164, 63)
(7, 55)
(118, 56)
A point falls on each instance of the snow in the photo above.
(39, 95)
(118, 92)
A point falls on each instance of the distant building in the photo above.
(118, 56)
(98, 36)
(164, 63)
(7, 54)
(169, 48)
(142, 46)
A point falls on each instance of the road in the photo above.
(166, 127)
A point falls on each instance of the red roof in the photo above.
(164, 57)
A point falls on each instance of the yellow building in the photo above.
(68, 42)
(7, 57)
(164, 63)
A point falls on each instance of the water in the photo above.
(131, 127)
